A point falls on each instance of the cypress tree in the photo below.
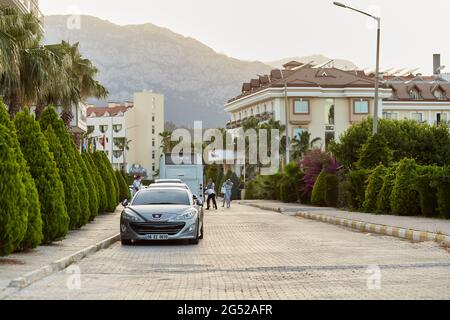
(45, 173)
(404, 198)
(113, 176)
(374, 185)
(319, 190)
(13, 201)
(50, 117)
(33, 236)
(71, 192)
(105, 174)
(93, 199)
(124, 190)
(98, 182)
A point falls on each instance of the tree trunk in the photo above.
(40, 107)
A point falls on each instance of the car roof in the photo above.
(169, 185)
(168, 181)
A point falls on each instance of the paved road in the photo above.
(249, 253)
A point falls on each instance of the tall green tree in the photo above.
(71, 192)
(46, 176)
(110, 192)
(33, 236)
(13, 202)
(50, 118)
(124, 191)
(99, 185)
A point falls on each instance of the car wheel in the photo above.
(126, 242)
(194, 241)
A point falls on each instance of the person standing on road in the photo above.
(136, 184)
(228, 191)
(222, 192)
(211, 192)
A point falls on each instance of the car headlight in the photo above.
(130, 216)
(186, 215)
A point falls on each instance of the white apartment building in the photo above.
(134, 124)
(325, 101)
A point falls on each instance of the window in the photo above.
(417, 116)
(117, 128)
(301, 106)
(441, 118)
(90, 128)
(153, 155)
(153, 167)
(117, 154)
(153, 129)
(103, 129)
(439, 94)
(361, 107)
(153, 142)
(297, 132)
(414, 94)
(153, 118)
(149, 196)
(390, 115)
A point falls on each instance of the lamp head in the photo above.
(339, 4)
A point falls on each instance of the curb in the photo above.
(402, 233)
(61, 264)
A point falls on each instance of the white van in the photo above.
(188, 168)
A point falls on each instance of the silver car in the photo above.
(162, 214)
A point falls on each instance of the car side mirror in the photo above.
(125, 203)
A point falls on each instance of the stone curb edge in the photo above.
(409, 234)
(36, 275)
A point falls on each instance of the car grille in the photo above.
(169, 228)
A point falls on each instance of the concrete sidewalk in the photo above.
(413, 228)
(21, 269)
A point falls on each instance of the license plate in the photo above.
(157, 236)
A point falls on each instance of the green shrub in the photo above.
(441, 181)
(99, 185)
(123, 187)
(404, 198)
(289, 184)
(427, 193)
(13, 202)
(374, 152)
(374, 185)
(105, 175)
(33, 236)
(50, 117)
(344, 192)
(71, 192)
(332, 190)
(250, 191)
(383, 198)
(358, 183)
(319, 190)
(45, 173)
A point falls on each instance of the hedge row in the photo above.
(46, 186)
(405, 189)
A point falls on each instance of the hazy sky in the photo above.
(412, 30)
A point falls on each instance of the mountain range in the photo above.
(195, 80)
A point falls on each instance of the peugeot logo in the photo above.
(157, 216)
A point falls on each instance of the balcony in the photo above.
(25, 6)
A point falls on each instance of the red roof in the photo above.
(100, 111)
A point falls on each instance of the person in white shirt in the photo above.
(136, 184)
(211, 192)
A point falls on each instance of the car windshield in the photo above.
(169, 196)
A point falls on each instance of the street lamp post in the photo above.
(377, 68)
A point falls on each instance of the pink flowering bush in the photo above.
(312, 164)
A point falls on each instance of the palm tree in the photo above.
(32, 74)
(166, 142)
(302, 144)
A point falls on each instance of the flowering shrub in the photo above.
(312, 164)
